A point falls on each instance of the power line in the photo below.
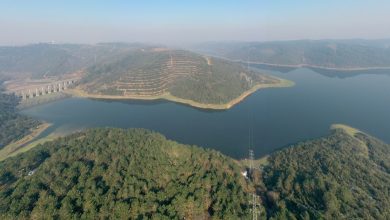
(254, 199)
(255, 206)
(251, 159)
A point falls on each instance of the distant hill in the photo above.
(161, 72)
(45, 60)
(120, 70)
(116, 173)
(342, 54)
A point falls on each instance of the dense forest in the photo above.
(341, 176)
(323, 53)
(121, 174)
(138, 174)
(13, 126)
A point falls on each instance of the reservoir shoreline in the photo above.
(19, 144)
(77, 92)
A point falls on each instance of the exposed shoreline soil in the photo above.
(167, 96)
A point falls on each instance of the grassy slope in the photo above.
(17, 146)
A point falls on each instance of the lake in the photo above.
(276, 117)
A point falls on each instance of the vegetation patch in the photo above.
(349, 130)
(353, 132)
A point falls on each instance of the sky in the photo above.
(190, 21)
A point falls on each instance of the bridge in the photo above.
(40, 88)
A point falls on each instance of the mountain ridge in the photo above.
(327, 54)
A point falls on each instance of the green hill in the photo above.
(345, 175)
(160, 72)
(121, 174)
(137, 174)
(343, 54)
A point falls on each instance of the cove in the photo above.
(276, 117)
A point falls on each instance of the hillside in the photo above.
(345, 175)
(173, 74)
(338, 54)
(139, 174)
(13, 126)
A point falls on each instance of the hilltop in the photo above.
(115, 173)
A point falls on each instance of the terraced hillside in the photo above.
(137, 71)
(172, 74)
(157, 79)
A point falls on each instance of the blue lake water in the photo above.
(276, 117)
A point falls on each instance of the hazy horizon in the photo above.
(177, 22)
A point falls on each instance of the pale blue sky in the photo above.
(174, 21)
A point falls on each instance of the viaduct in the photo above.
(44, 89)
